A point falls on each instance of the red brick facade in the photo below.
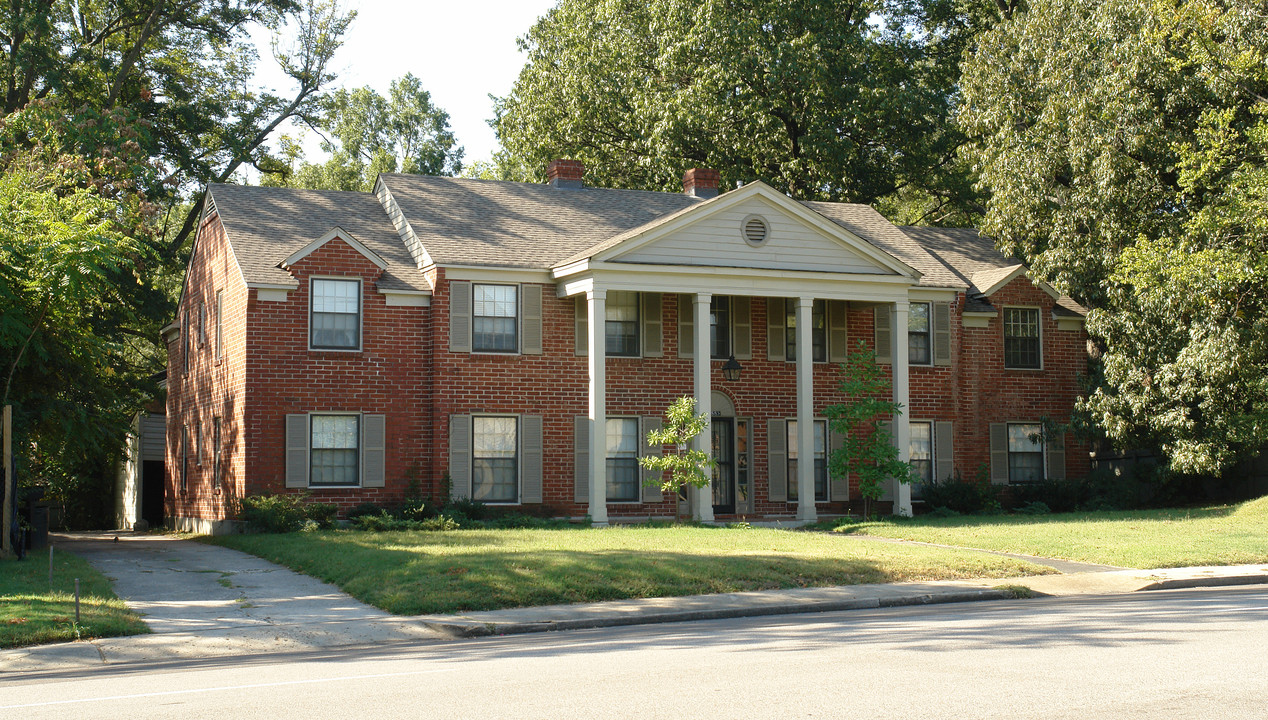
(406, 372)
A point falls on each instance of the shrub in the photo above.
(1058, 495)
(1034, 508)
(380, 522)
(414, 509)
(365, 508)
(468, 509)
(321, 514)
(968, 497)
(272, 513)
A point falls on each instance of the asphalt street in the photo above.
(1167, 654)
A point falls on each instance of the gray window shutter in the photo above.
(943, 451)
(887, 486)
(531, 320)
(999, 453)
(652, 492)
(373, 450)
(297, 451)
(942, 333)
(1054, 449)
(653, 337)
(777, 459)
(838, 487)
(582, 324)
(884, 336)
(531, 449)
(581, 458)
(460, 456)
(838, 337)
(459, 316)
(742, 327)
(686, 327)
(776, 329)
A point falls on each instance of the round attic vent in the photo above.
(756, 231)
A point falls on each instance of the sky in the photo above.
(461, 50)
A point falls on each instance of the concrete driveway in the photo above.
(202, 600)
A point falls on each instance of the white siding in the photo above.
(716, 240)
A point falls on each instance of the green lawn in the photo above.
(32, 613)
(444, 572)
(1227, 535)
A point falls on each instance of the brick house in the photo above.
(514, 342)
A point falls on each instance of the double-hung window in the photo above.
(622, 462)
(1021, 338)
(495, 318)
(335, 450)
(919, 334)
(1025, 452)
(621, 328)
(818, 336)
(920, 453)
(336, 314)
(215, 452)
(494, 459)
(720, 327)
(820, 461)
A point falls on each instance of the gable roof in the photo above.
(972, 257)
(266, 225)
(861, 229)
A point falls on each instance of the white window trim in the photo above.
(791, 331)
(360, 315)
(933, 443)
(730, 329)
(638, 324)
(827, 459)
(220, 331)
(1043, 449)
(360, 448)
(519, 455)
(928, 333)
(519, 322)
(638, 453)
(1003, 335)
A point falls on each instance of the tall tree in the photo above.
(182, 67)
(366, 134)
(1125, 147)
(824, 99)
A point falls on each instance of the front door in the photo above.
(724, 470)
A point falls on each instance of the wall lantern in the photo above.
(731, 369)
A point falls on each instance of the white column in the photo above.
(702, 498)
(805, 412)
(596, 315)
(902, 426)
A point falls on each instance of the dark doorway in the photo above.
(723, 431)
(152, 492)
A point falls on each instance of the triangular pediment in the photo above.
(334, 233)
(754, 227)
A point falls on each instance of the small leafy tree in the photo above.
(867, 449)
(687, 465)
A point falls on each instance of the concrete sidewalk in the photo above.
(207, 601)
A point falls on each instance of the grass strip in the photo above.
(33, 613)
(413, 573)
(1147, 539)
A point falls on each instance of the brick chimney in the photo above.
(566, 174)
(701, 182)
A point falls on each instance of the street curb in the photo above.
(473, 628)
(1181, 583)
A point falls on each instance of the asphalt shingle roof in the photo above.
(509, 224)
(973, 258)
(266, 225)
(865, 222)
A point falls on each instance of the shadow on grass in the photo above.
(850, 527)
